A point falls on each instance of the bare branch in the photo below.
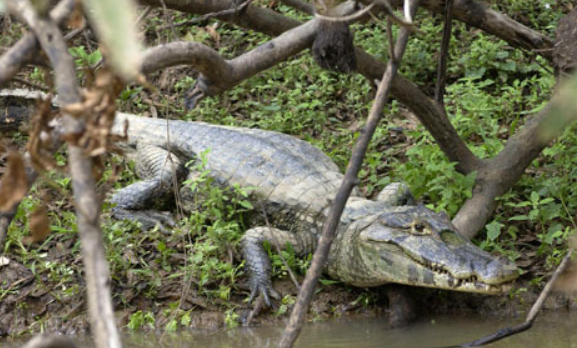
(481, 16)
(271, 23)
(87, 202)
(350, 18)
(350, 180)
(26, 49)
(499, 174)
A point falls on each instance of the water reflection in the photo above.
(554, 330)
(551, 330)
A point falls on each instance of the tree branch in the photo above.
(499, 174)
(26, 49)
(87, 202)
(481, 16)
(218, 74)
(350, 180)
(271, 23)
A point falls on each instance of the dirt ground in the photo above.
(35, 303)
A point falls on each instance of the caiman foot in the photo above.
(402, 307)
(148, 218)
(264, 288)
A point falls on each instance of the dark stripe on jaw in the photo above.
(385, 258)
(413, 274)
(428, 278)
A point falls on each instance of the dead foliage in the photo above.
(98, 108)
(14, 184)
(39, 225)
(40, 141)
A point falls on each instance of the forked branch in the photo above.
(87, 202)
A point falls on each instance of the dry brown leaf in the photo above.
(76, 19)
(39, 225)
(211, 30)
(39, 141)
(14, 185)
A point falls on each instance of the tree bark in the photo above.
(87, 202)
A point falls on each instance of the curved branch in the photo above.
(495, 23)
(505, 169)
(219, 74)
(429, 113)
(203, 58)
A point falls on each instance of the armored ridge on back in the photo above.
(389, 240)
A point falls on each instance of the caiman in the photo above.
(386, 240)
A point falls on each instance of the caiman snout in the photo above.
(497, 272)
(417, 246)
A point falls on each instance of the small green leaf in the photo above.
(171, 326)
(494, 230)
(185, 320)
(246, 204)
(535, 197)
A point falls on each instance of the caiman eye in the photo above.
(419, 229)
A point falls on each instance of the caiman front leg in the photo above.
(256, 258)
(396, 194)
(159, 169)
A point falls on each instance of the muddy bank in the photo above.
(31, 303)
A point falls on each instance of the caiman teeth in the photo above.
(459, 281)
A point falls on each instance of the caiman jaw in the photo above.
(445, 280)
(416, 246)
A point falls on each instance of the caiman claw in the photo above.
(265, 289)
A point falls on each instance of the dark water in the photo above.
(551, 330)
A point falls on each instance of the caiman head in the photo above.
(415, 246)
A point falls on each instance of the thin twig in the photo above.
(388, 9)
(528, 323)
(444, 54)
(228, 11)
(75, 32)
(350, 180)
(350, 18)
(87, 202)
